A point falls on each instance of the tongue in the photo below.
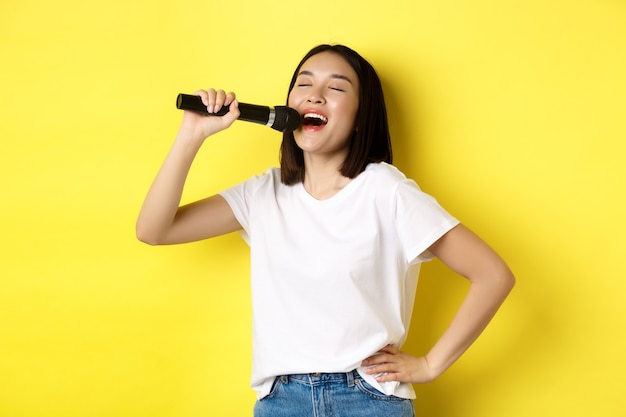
(312, 121)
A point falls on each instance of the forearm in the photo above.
(163, 199)
(161, 206)
(478, 308)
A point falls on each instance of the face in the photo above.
(326, 94)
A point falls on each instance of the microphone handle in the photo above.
(249, 112)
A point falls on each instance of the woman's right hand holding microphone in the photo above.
(199, 126)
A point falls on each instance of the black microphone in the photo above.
(281, 118)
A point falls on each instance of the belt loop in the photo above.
(350, 377)
(284, 379)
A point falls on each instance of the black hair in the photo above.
(370, 140)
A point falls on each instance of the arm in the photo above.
(161, 220)
(490, 282)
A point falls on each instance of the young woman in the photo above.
(337, 236)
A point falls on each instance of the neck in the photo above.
(322, 179)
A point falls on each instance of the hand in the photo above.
(395, 365)
(201, 126)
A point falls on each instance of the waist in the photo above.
(317, 378)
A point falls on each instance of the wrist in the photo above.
(435, 365)
(190, 137)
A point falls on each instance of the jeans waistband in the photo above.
(317, 378)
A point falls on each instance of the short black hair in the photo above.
(370, 140)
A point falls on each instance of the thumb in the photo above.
(233, 113)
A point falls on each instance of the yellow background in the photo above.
(512, 113)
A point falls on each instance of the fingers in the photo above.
(391, 349)
(214, 100)
(391, 364)
(382, 356)
(390, 376)
(201, 127)
(383, 363)
(388, 364)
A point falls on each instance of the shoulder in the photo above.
(269, 178)
(386, 171)
(271, 175)
(389, 177)
(256, 185)
(393, 184)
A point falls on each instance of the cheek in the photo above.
(350, 111)
(292, 99)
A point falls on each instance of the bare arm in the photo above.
(161, 219)
(490, 283)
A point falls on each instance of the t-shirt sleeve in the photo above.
(420, 221)
(239, 197)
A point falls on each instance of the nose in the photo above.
(315, 97)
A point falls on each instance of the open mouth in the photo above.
(314, 119)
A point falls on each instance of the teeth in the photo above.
(316, 116)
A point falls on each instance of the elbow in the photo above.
(509, 282)
(512, 280)
(505, 279)
(495, 285)
(498, 278)
(146, 239)
(146, 236)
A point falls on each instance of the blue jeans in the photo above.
(329, 395)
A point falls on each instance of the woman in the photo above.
(337, 235)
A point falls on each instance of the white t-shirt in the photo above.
(333, 280)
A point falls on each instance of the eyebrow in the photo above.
(338, 76)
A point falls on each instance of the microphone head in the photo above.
(286, 119)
